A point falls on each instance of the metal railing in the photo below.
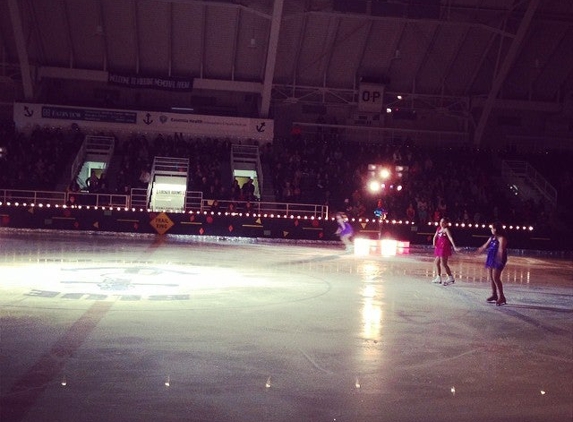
(247, 157)
(31, 197)
(98, 199)
(94, 148)
(138, 200)
(518, 171)
(267, 208)
(388, 134)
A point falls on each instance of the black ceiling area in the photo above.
(485, 54)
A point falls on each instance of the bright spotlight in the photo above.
(374, 186)
(361, 246)
(384, 173)
(388, 247)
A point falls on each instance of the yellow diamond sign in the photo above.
(162, 223)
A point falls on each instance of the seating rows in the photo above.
(427, 183)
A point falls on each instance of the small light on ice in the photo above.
(542, 392)
(357, 383)
(268, 384)
(168, 382)
(453, 391)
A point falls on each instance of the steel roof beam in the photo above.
(298, 50)
(235, 52)
(271, 57)
(504, 69)
(23, 58)
(68, 31)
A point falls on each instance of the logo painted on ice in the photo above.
(123, 283)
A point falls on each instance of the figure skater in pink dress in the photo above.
(443, 243)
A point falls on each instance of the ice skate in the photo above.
(437, 280)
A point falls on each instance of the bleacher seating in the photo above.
(460, 182)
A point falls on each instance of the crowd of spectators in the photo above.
(207, 156)
(36, 161)
(461, 183)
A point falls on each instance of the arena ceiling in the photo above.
(488, 51)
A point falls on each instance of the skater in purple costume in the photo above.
(443, 243)
(345, 230)
(495, 261)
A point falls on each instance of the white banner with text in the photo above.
(28, 115)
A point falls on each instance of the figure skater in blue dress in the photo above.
(345, 230)
(495, 261)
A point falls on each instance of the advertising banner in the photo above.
(28, 116)
(138, 81)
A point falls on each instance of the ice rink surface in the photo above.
(108, 328)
